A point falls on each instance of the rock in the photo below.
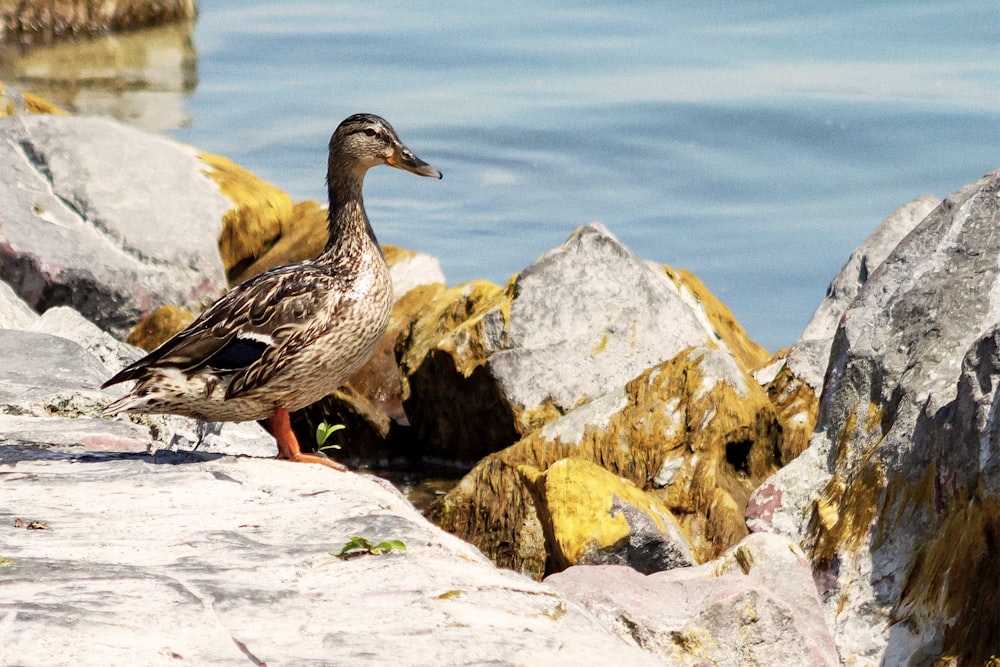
(452, 402)
(14, 312)
(695, 432)
(794, 378)
(210, 561)
(897, 499)
(104, 218)
(592, 517)
(55, 379)
(159, 326)
(810, 364)
(484, 365)
(28, 22)
(755, 605)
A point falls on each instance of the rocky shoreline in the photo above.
(686, 497)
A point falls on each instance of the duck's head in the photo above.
(365, 140)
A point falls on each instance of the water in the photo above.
(755, 145)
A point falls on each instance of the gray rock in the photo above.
(59, 377)
(175, 559)
(808, 359)
(586, 318)
(579, 323)
(44, 374)
(755, 605)
(899, 483)
(105, 218)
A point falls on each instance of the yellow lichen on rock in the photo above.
(844, 512)
(576, 502)
(11, 101)
(451, 322)
(734, 338)
(158, 326)
(797, 407)
(699, 445)
(261, 213)
(954, 575)
(302, 237)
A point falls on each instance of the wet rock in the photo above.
(104, 218)
(170, 558)
(695, 432)
(592, 517)
(484, 365)
(754, 605)
(905, 450)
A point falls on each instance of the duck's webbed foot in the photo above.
(288, 445)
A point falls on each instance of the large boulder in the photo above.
(107, 219)
(145, 560)
(484, 365)
(591, 516)
(755, 605)
(897, 499)
(794, 378)
(695, 432)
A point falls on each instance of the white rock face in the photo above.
(587, 317)
(175, 560)
(906, 447)
(105, 218)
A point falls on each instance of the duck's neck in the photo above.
(350, 232)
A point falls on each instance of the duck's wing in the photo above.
(244, 324)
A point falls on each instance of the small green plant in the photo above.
(358, 546)
(323, 433)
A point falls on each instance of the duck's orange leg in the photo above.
(288, 444)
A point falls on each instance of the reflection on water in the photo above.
(142, 77)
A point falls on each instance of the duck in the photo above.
(291, 335)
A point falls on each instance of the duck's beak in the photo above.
(403, 158)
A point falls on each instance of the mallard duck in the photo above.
(289, 336)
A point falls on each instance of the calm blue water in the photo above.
(755, 145)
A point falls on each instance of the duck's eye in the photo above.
(370, 132)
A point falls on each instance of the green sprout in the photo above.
(323, 432)
(358, 546)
